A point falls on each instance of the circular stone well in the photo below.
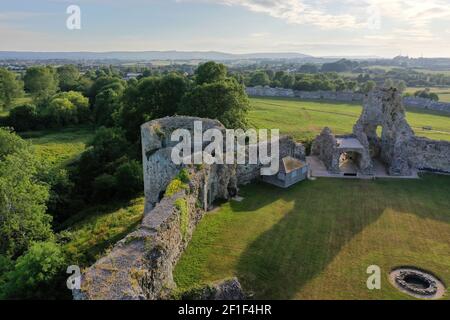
(417, 283)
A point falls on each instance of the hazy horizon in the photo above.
(324, 28)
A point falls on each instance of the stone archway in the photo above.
(349, 163)
(383, 107)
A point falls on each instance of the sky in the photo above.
(384, 28)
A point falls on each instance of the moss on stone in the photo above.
(180, 182)
(175, 186)
(182, 205)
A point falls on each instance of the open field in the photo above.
(305, 119)
(60, 146)
(316, 239)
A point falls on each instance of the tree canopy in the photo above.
(210, 72)
(41, 81)
(10, 88)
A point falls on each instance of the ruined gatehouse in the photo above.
(382, 141)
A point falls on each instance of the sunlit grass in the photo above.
(316, 239)
(305, 119)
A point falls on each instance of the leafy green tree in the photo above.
(129, 178)
(10, 143)
(107, 151)
(23, 118)
(35, 274)
(104, 187)
(62, 200)
(80, 102)
(60, 112)
(368, 86)
(426, 94)
(68, 76)
(66, 108)
(103, 83)
(41, 81)
(288, 81)
(151, 98)
(210, 72)
(10, 88)
(107, 102)
(309, 68)
(259, 78)
(351, 85)
(23, 217)
(340, 85)
(224, 100)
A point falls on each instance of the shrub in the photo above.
(129, 178)
(35, 273)
(59, 112)
(23, 118)
(23, 218)
(104, 187)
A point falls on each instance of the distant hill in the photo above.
(145, 55)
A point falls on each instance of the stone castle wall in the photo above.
(427, 104)
(341, 96)
(141, 265)
(429, 154)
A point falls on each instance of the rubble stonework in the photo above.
(398, 148)
(342, 96)
(325, 148)
(141, 265)
(427, 104)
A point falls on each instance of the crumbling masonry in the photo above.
(398, 148)
(141, 265)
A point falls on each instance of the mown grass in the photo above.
(305, 119)
(317, 239)
(60, 147)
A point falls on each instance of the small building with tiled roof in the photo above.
(291, 171)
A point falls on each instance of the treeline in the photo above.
(37, 197)
(336, 76)
(306, 81)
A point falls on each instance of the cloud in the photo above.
(345, 14)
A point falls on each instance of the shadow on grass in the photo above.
(286, 257)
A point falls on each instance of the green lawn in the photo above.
(60, 146)
(316, 239)
(305, 119)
